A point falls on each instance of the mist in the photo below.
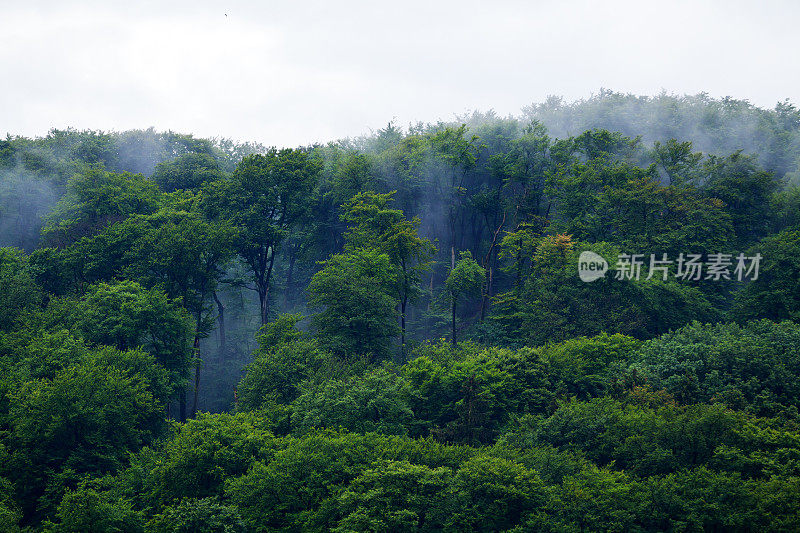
(296, 74)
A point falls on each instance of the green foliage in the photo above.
(280, 331)
(467, 400)
(492, 493)
(603, 200)
(565, 417)
(85, 419)
(651, 440)
(753, 367)
(355, 292)
(297, 488)
(464, 280)
(348, 482)
(746, 190)
(554, 304)
(267, 194)
(192, 515)
(18, 290)
(10, 513)
(581, 367)
(188, 171)
(95, 199)
(374, 402)
(182, 253)
(196, 460)
(393, 496)
(277, 371)
(87, 509)
(785, 206)
(776, 293)
(126, 315)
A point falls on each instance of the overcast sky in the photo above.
(289, 73)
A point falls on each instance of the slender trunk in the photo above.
(221, 320)
(403, 303)
(454, 321)
(487, 294)
(487, 264)
(263, 296)
(196, 374)
(264, 289)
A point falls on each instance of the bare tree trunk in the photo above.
(454, 321)
(221, 320)
(196, 374)
(263, 290)
(403, 303)
(487, 264)
(487, 294)
(263, 296)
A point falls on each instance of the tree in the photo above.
(89, 509)
(192, 514)
(284, 359)
(96, 199)
(355, 293)
(712, 363)
(746, 189)
(465, 279)
(374, 402)
(492, 493)
(185, 255)
(188, 171)
(18, 290)
(126, 315)
(267, 194)
(85, 419)
(373, 225)
(776, 293)
(394, 496)
(677, 160)
(555, 305)
(517, 249)
(458, 154)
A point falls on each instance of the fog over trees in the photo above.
(390, 332)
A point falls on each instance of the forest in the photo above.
(392, 333)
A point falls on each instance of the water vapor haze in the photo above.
(297, 73)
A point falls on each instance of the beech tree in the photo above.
(266, 195)
(464, 280)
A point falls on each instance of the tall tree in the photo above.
(356, 294)
(746, 189)
(458, 153)
(266, 195)
(186, 255)
(373, 224)
(465, 279)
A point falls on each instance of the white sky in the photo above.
(289, 73)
